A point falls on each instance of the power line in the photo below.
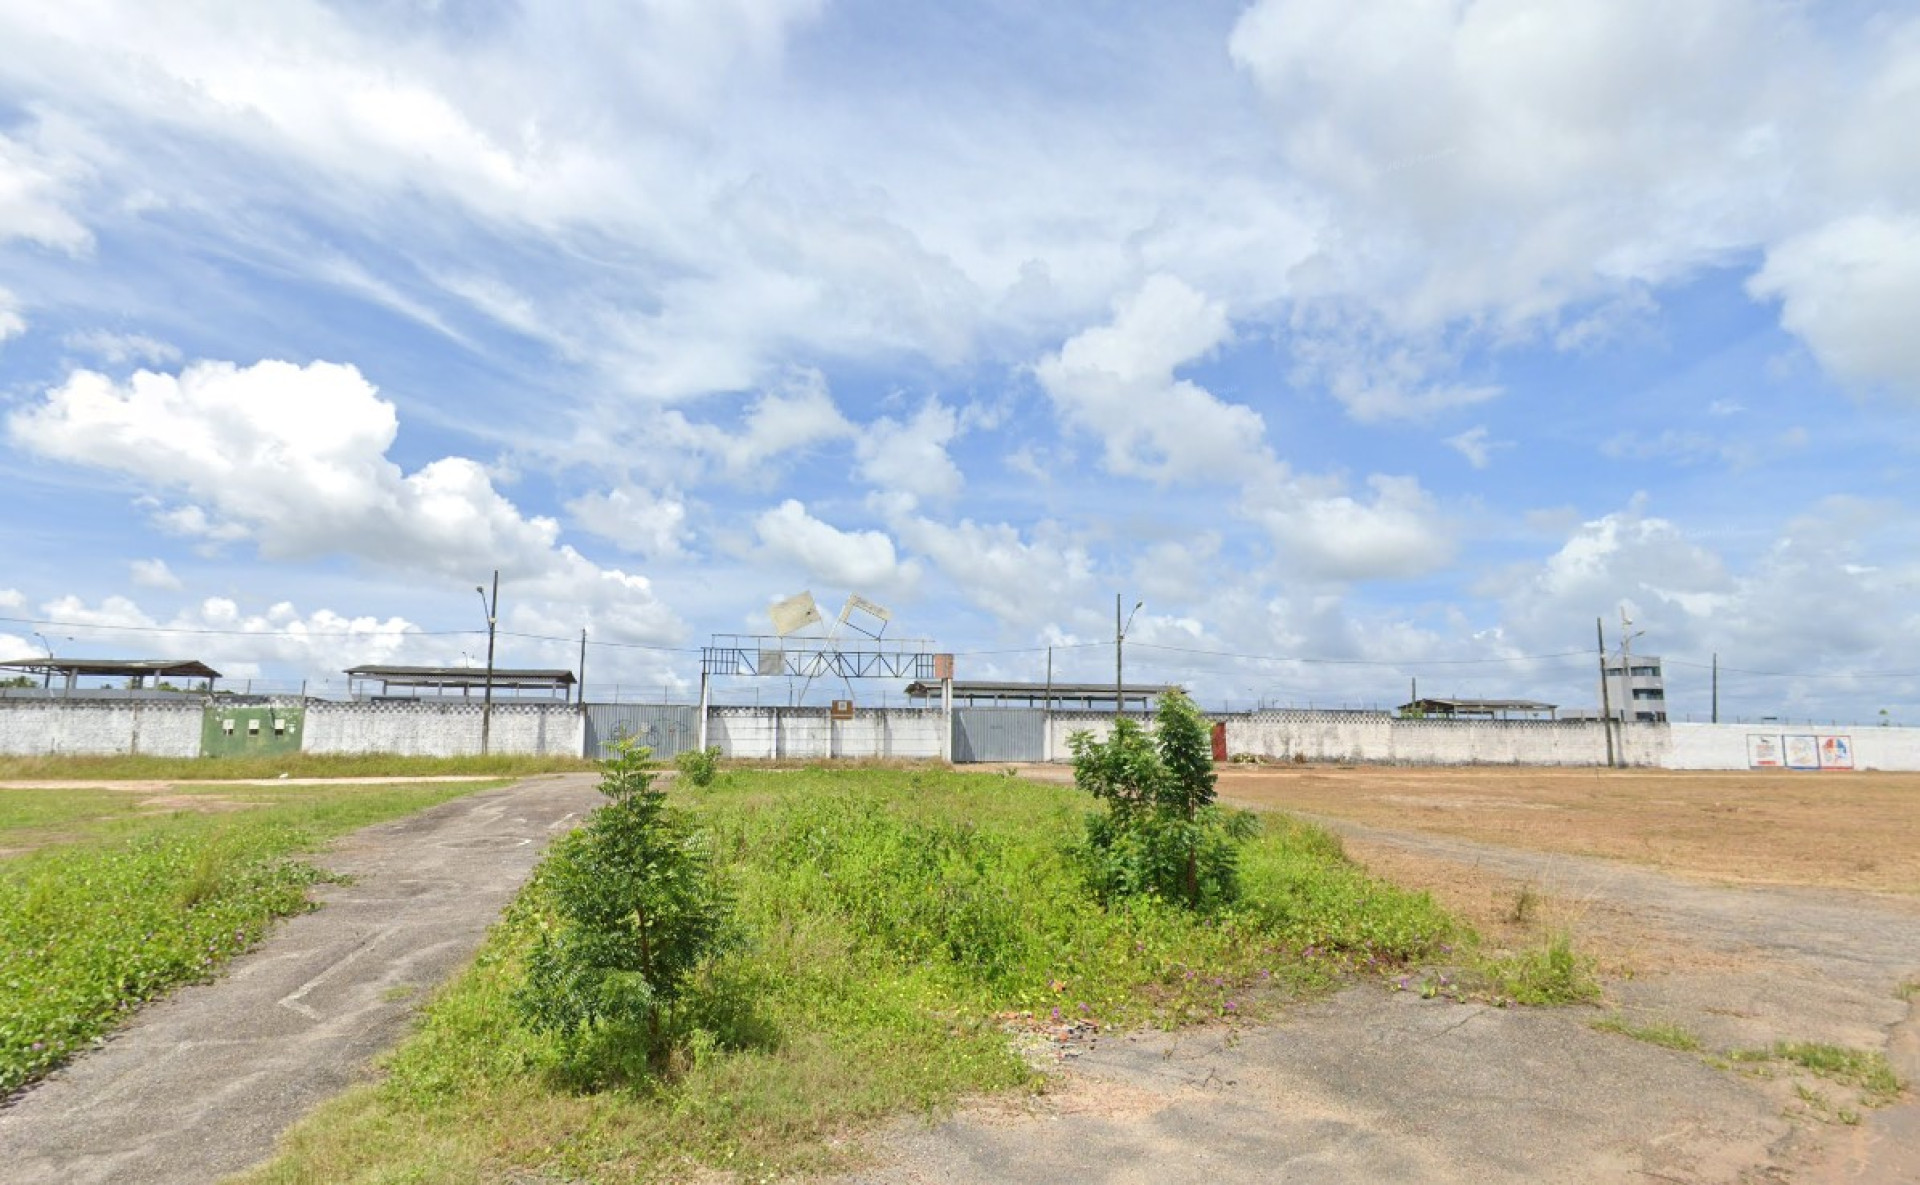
(1724, 669)
(1364, 662)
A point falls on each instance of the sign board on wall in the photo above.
(1768, 751)
(1836, 752)
(1803, 752)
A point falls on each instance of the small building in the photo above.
(1437, 708)
(465, 682)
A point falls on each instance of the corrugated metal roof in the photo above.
(185, 668)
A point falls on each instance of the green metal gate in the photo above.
(236, 730)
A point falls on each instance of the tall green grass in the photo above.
(898, 925)
(91, 928)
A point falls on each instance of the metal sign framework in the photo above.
(771, 656)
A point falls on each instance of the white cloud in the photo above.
(911, 457)
(1020, 580)
(1378, 374)
(1398, 533)
(1507, 158)
(855, 559)
(1476, 446)
(793, 417)
(635, 520)
(1848, 289)
(1832, 591)
(116, 349)
(34, 196)
(1116, 382)
(12, 324)
(154, 574)
(293, 459)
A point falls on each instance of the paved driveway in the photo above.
(202, 1084)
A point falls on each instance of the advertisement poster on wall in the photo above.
(1803, 752)
(1763, 751)
(1836, 752)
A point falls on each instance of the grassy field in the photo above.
(903, 935)
(110, 898)
(293, 765)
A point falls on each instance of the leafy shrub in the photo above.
(699, 766)
(1161, 835)
(637, 908)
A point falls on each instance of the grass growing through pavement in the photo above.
(123, 767)
(1868, 1072)
(1662, 1033)
(896, 924)
(1551, 973)
(133, 903)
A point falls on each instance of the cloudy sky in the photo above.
(1363, 342)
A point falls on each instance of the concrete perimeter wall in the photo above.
(1726, 746)
(50, 727)
(1376, 738)
(807, 733)
(174, 728)
(443, 730)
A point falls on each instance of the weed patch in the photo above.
(1664, 1034)
(897, 928)
(1551, 973)
(90, 929)
(1868, 1072)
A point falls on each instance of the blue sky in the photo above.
(1362, 342)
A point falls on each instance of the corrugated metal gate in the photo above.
(999, 734)
(667, 729)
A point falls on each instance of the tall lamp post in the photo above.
(493, 621)
(1119, 644)
(46, 676)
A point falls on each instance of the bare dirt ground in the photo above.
(1740, 909)
(1857, 830)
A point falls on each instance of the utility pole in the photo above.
(493, 622)
(1716, 687)
(583, 670)
(1046, 714)
(1119, 643)
(1606, 702)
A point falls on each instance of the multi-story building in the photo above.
(1636, 689)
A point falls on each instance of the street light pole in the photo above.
(1119, 644)
(46, 676)
(493, 621)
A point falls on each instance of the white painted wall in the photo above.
(808, 733)
(44, 728)
(443, 730)
(1724, 746)
(31, 727)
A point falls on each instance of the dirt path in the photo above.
(201, 1084)
(1373, 1085)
